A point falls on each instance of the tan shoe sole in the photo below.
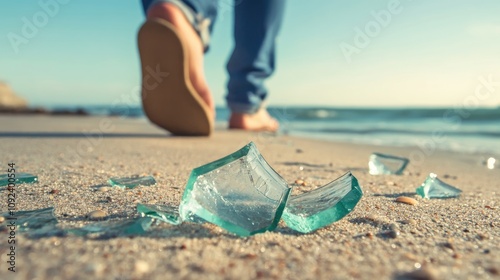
(168, 97)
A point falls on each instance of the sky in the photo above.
(377, 53)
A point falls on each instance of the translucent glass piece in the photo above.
(132, 182)
(435, 188)
(381, 164)
(32, 220)
(164, 213)
(240, 193)
(137, 226)
(323, 206)
(20, 178)
(46, 231)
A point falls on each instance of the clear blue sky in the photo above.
(430, 53)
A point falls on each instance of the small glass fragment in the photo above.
(136, 226)
(435, 188)
(166, 213)
(240, 193)
(32, 220)
(490, 163)
(20, 178)
(323, 206)
(381, 164)
(132, 182)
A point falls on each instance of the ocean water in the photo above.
(469, 131)
(455, 129)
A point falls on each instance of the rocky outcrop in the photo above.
(9, 100)
(10, 104)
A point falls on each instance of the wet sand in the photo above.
(74, 156)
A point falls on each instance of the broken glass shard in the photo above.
(166, 213)
(132, 182)
(240, 193)
(435, 188)
(381, 164)
(46, 231)
(20, 178)
(323, 206)
(32, 220)
(136, 226)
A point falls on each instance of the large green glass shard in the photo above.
(132, 182)
(435, 188)
(325, 205)
(137, 226)
(32, 220)
(166, 213)
(19, 178)
(381, 164)
(240, 193)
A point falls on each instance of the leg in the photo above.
(182, 27)
(257, 23)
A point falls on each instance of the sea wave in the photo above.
(475, 133)
(339, 114)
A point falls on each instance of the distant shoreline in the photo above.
(44, 111)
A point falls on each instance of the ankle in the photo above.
(241, 120)
(239, 117)
(165, 11)
(176, 17)
(236, 120)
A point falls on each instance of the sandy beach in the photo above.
(74, 156)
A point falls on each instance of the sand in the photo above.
(449, 239)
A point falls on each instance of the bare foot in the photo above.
(193, 44)
(260, 121)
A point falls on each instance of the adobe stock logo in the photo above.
(363, 37)
(32, 25)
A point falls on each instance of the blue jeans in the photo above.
(256, 26)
